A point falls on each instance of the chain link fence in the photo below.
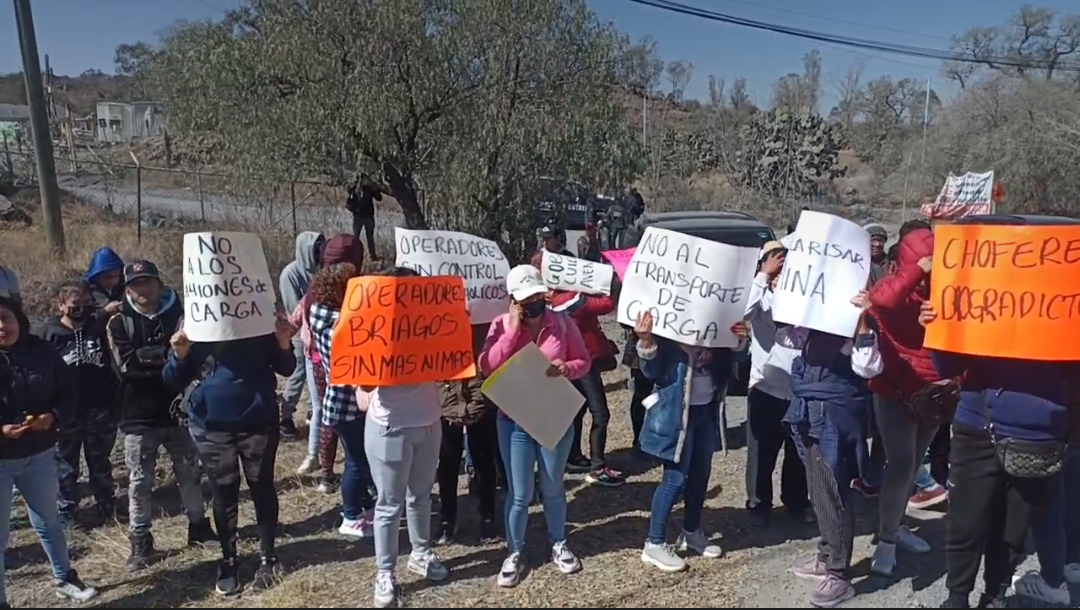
(159, 197)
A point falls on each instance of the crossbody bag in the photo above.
(1023, 458)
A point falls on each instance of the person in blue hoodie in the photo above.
(232, 410)
(681, 429)
(293, 285)
(105, 275)
(1002, 401)
(829, 419)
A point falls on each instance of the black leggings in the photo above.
(591, 387)
(482, 445)
(223, 456)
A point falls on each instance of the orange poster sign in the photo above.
(1006, 291)
(402, 330)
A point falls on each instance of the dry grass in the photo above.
(88, 228)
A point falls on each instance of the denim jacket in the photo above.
(664, 431)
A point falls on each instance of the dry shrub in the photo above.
(87, 228)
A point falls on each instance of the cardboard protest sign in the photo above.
(228, 291)
(401, 331)
(478, 261)
(1006, 291)
(695, 288)
(544, 406)
(575, 274)
(619, 260)
(828, 263)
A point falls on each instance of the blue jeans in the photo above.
(923, 480)
(36, 479)
(521, 454)
(689, 477)
(314, 428)
(1072, 504)
(356, 479)
(1048, 529)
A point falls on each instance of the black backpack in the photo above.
(181, 405)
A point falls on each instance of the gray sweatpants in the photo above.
(403, 465)
(140, 453)
(905, 445)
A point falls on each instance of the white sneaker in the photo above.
(1072, 573)
(428, 565)
(1033, 586)
(910, 542)
(309, 465)
(663, 557)
(698, 542)
(73, 588)
(385, 590)
(359, 528)
(510, 572)
(564, 559)
(884, 561)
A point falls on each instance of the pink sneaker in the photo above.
(925, 498)
(868, 491)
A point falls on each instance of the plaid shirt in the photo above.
(339, 401)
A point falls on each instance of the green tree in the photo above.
(470, 100)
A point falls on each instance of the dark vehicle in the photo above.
(732, 228)
(1017, 219)
(570, 206)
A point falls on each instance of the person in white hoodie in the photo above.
(768, 400)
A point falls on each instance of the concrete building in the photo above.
(119, 122)
(15, 122)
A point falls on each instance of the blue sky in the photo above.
(82, 34)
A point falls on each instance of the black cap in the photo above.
(547, 231)
(136, 270)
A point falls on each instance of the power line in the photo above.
(848, 41)
(835, 20)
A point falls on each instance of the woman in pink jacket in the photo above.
(530, 321)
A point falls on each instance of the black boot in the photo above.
(142, 551)
(200, 532)
(446, 533)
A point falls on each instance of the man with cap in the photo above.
(139, 341)
(768, 398)
(878, 237)
(553, 239)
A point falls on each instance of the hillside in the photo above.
(81, 93)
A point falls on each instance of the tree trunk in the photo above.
(403, 189)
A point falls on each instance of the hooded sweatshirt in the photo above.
(103, 261)
(296, 276)
(895, 301)
(238, 393)
(85, 351)
(9, 284)
(140, 344)
(32, 382)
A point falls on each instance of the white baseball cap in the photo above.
(524, 281)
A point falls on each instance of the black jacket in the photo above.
(85, 352)
(140, 348)
(33, 381)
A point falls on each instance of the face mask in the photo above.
(79, 313)
(534, 310)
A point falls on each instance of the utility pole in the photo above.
(39, 126)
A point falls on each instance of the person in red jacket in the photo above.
(585, 310)
(896, 300)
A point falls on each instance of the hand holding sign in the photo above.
(181, 345)
(402, 331)
(228, 292)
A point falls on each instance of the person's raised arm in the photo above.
(500, 344)
(892, 290)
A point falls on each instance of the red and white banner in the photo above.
(968, 195)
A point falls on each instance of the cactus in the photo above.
(788, 154)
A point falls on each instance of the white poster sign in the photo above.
(969, 194)
(228, 291)
(478, 261)
(696, 289)
(544, 406)
(576, 274)
(828, 263)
